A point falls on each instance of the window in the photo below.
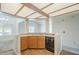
(37, 25)
(5, 30)
(32, 26)
(42, 26)
(50, 25)
(5, 25)
(21, 27)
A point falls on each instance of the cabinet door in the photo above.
(32, 42)
(23, 43)
(41, 42)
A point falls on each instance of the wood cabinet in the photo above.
(41, 42)
(23, 42)
(32, 42)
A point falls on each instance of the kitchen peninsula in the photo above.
(36, 41)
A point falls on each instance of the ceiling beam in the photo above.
(31, 6)
(30, 14)
(41, 9)
(47, 6)
(38, 16)
(19, 10)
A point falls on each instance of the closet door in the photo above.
(32, 42)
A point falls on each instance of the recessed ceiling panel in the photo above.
(56, 6)
(67, 10)
(40, 5)
(25, 11)
(11, 8)
(35, 15)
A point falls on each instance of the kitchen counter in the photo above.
(38, 34)
(40, 43)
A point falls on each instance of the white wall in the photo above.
(9, 43)
(68, 27)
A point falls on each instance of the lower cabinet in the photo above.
(41, 42)
(32, 42)
(23, 42)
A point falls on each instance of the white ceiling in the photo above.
(67, 10)
(40, 5)
(25, 11)
(12, 8)
(55, 7)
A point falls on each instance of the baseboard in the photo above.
(73, 50)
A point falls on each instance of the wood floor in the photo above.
(45, 52)
(37, 52)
